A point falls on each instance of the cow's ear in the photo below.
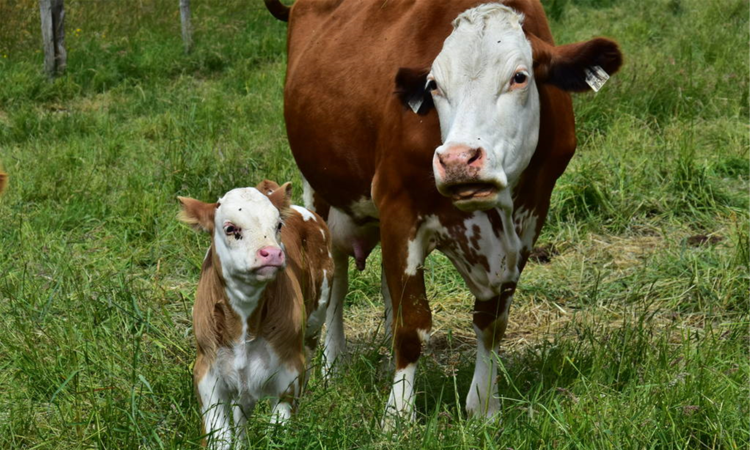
(575, 67)
(198, 214)
(281, 197)
(411, 88)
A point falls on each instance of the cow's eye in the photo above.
(520, 78)
(278, 227)
(432, 86)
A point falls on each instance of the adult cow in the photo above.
(470, 174)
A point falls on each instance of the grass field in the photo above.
(633, 335)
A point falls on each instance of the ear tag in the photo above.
(596, 77)
(416, 101)
(415, 104)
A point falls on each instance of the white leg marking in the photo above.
(282, 411)
(401, 401)
(482, 399)
(241, 411)
(215, 411)
(335, 342)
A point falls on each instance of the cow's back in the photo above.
(340, 105)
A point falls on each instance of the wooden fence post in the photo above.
(187, 28)
(53, 36)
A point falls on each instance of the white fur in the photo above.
(501, 253)
(401, 401)
(423, 243)
(306, 214)
(334, 347)
(307, 195)
(317, 317)
(474, 101)
(363, 208)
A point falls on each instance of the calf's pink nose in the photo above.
(271, 256)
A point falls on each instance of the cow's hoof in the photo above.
(487, 409)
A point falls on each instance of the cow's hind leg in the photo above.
(490, 321)
(335, 341)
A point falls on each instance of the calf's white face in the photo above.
(246, 229)
(247, 235)
(482, 86)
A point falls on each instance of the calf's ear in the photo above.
(575, 67)
(197, 214)
(411, 88)
(281, 197)
(266, 187)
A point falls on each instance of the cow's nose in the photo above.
(460, 158)
(271, 256)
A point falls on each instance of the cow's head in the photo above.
(245, 225)
(483, 85)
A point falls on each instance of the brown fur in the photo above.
(352, 137)
(3, 181)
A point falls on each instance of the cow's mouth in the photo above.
(473, 196)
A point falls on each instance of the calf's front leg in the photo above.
(214, 402)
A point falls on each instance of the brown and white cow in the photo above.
(430, 125)
(262, 295)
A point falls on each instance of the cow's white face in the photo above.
(247, 232)
(482, 85)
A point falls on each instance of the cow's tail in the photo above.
(278, 9)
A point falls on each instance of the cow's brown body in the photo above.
(354, 141)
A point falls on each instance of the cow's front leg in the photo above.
(403, 259)
(490, 321)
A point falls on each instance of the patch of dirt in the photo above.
(701, 239)
(543, 253)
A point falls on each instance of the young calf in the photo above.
(262, 295)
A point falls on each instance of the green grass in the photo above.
(633, 336)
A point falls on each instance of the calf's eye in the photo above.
(231, 230)
(278, 227)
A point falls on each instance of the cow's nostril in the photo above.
(263, 252)
(476, 154)
(440, 158)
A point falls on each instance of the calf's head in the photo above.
(483, 84)
(245, 225)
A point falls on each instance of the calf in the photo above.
(261, 299)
